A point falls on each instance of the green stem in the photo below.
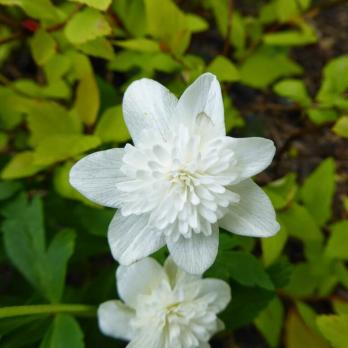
(75, 309)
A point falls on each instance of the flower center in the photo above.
(182, 182)
(183, 320)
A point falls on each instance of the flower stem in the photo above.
(75, 309)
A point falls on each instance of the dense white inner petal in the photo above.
(181, 182)
(183, 316)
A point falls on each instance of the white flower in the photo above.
(164, 307)
(182, 179)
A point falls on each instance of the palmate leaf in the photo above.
(314, 191)
(24, 239)
(247, 303)
(64, 332)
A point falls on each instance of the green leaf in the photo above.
(270, 321)
(100, 48)
(26, 335)
(247, 303)
(242, 267)
(288, 9)
(24, 239)
(294, 90)
(314, 191)
(4, 138)
(280, 273)
(298, 334)
(169, 25)
(300, 224)
(282, 191)
(21, 165)
(341, 127)
(322, 115)
(111, 127)
(43, 47)
(87, 99)
(12, 108)
(267, 65)
(63, 333)
(302, 282)
(86, 25)
(140, 44)
(132, 15)
(337, 244)
(56, 260)
(291, 38)
(127, 60)
(40, 9)
(196, 23)
(94, 221)
(61, 147)
(334, 328)
(335, 81)
(8, 189)
(98, 4)
(308, 315)
(46, 119)
(272, 247)
(224, 69)
(340, 306)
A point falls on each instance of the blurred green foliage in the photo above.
(64, 66)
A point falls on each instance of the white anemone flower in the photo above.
(164, 307)
(182, 178)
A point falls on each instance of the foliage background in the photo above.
(64, 66)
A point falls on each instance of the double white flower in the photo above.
(164, 307)
(182, 178)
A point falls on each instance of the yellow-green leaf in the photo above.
(111, 127)
(99, 47)
(270, 322)
(337, 246)
(196, 23)
(140, 44)
(272, 247)
(21, 165)
(224, 69)
(98, 4)
(87, 99)
(43, 47)
(298, 334)
(46, 119)
(169, 24)
(61, 147)
(87, 25)
(334, 328)
(317, 196)
(341, 127)
(294, 90)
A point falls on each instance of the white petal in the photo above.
(201, 100)
(222, 291)
(254, 215)
(96, 176)
(196, 254)
(151, 338)
(131, 239)
(148, 105)
(253, 155)
(176, 275)
(139, 278)
(114, 319)
(204, 345)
